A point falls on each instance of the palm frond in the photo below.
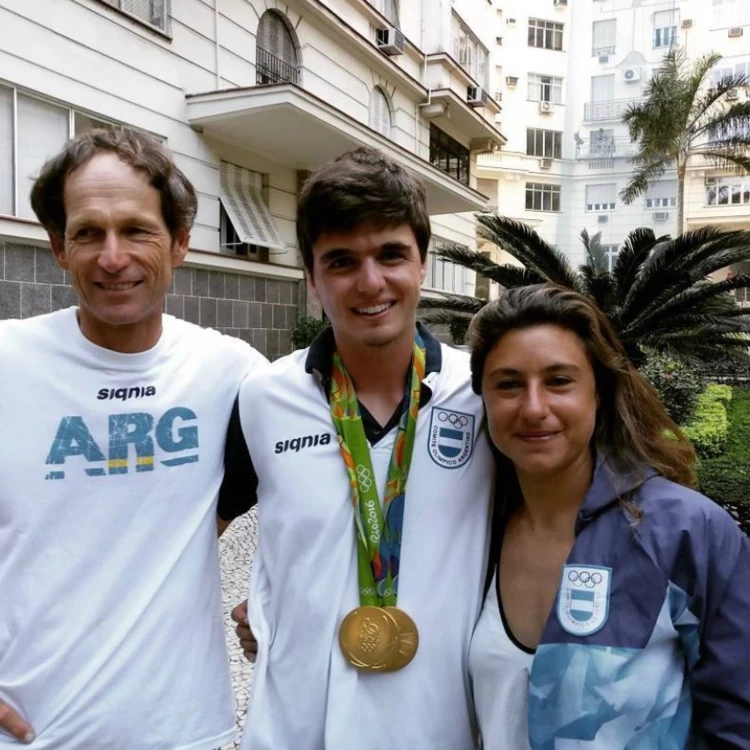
(526, 246)
(452, 302)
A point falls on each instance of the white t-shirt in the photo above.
(305, 696)
(500, 669)
(111, 633)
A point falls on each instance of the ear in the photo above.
(423, 270)
(180, 246)
(57, 244)
(311, 284)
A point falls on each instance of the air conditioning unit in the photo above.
(602, 219)
(511, 21)
(735, 32)
(559, 3)
(476, 96)
(733, 94)
(511, 81)
(661, 215)
(390, 41)
(603, 59)
(631, 75)
(546, 107)
(687, 23)
(710, 181)
(545, 164)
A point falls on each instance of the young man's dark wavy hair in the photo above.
(144, 153)
(360, 187)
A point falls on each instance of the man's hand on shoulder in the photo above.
(247, 639)
(12, 723)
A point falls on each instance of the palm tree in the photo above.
(657, 295)
(683, 117)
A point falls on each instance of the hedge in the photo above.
(709, 427)
(726, 479)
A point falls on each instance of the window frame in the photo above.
(544, 191)
(547, 88)
(444, 149)
(555, 146)
(543, 34)
(166, 32)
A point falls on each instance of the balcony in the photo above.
(603, 51)
(606, 149)
(271, 69)
(611, 109)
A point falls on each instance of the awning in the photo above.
(242, 198)
(294, 128)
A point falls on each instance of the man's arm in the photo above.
(237, 493)
(12, 723)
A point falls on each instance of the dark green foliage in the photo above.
(677, 384)
(726, 479)
(306, 330)
(658, 295)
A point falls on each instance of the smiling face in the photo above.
(539, 390)
(118, 252)
(368, 281)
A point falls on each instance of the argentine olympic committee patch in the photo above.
(451, 437)
(583, 601)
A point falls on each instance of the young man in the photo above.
(112, 425)
(374, 479)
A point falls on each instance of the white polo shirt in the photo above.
(305, 695)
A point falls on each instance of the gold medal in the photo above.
(407, 641)
(368, 638)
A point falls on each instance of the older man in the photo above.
(113, 418)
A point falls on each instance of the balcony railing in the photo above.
(612, 109)
(602, 51)
(606, 148)
(272, 69)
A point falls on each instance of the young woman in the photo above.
(617, 613)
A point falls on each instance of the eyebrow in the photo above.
(341, 252)
(550, 370)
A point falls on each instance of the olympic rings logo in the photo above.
(589, 580)
(456, 420)
(364, 478)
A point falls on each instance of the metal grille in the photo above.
(276, 53)
(155, 13)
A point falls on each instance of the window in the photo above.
(541, 197)
(662, 194)
(230, 242)
(380, 112)
(602, 142)
(250, 224)
(275, 52)
(726, 68)
(6, 152)
(155, 13)
(729, 191)
(601, 197)
(448, 155)
(610, 253)
(729, 13)
(604, 37)
(602, 88)
(469, 52)
(545, 34)
(545, 89)
(546, 143)
(665, 28)
(441, 274)
(386, 8)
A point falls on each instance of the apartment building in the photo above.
(250, 95)
(570, 68)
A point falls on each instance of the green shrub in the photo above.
(709, 427)
(726, 479)
(677, 384)
(306, 330)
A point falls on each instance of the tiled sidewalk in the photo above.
(237, 547)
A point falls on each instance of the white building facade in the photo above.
(571, 68)
(249, 95)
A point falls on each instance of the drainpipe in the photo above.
(216, 43)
